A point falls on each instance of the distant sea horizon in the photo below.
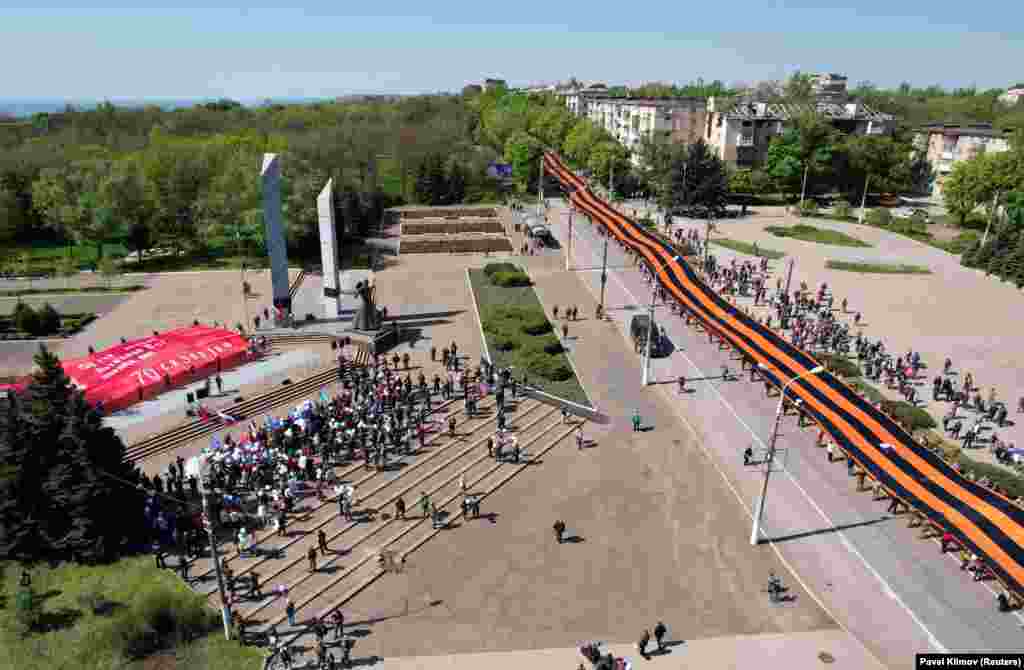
(24, 107)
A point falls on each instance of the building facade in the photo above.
(628, 120)
(946, 144)
(739, 132)
(1012, 96)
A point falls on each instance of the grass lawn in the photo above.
(807, 233)
(747, 248)
(491, 300)
(878, 268)
(145, 600)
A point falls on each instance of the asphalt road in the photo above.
(892, 590)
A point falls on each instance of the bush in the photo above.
(26, 319)
(879, 217)
(647, 222)
(536, 324)
(552, 368)
(493, 268)
(49, 320)
(909, 416)
(809, 207)
(510, 279)
(842, 210)
(840, 365)
(158, 620)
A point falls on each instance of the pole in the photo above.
(650, 332)
(568, 255)
(786, 306)
(604, 273)
(755, 531)
(984, 238)
(803, 189)
(864, 198)
(707, 240)
(611, 180)
(540, 188)
(225, 605)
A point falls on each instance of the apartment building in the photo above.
(946, 144)
(1012, 96)
(739, 132)
(829, 87)
(630, 119)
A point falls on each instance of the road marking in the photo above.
(845, 541)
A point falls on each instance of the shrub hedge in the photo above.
(508, 279)
(840, 365)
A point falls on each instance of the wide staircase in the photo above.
(374, 542)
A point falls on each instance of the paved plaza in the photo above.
(661, 518)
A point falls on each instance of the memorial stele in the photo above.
(274, 233)
(329, 251)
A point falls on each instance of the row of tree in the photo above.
(189, 178)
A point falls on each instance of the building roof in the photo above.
(964, 129)
(784, 111)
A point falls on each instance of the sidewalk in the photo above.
(793, 651)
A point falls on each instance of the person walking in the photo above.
(425, 504)
(289, 610)
(311, 557)
(321, 539)
(636, 421)
(660, 629)
(338, 619)
(400, 508)
(641, 646)
(559, 528)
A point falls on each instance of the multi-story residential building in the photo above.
(739, 132)
(829, 87)
(630, 119)
(1012, 96)
(576, 99)
(946, 144)
(490, 84)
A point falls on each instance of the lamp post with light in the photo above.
(650, 325)
(771, 449)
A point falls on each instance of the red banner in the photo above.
(128, 373)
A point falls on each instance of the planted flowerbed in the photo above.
(518, 332)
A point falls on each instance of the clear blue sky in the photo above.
(191, 50)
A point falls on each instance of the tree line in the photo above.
(188, 179)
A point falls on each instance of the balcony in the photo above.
(744, 141)
(947, 155)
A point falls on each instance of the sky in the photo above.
(140, 50)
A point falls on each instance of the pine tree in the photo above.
(456, 184)
(421, 187)
(1002, 247)
(1015, 264)
(438, 180)
(19, 489)
(74, 493)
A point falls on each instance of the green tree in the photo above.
(60, 496)
(882, 162)
(456, 184)
(523, 152)
(699, 179)
(799, 87)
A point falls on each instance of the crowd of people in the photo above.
(256, 475)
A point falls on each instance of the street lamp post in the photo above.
(771, 450)
(604, 274)
(568, 254)
(540, 188)
(650, 324)
(215, 554)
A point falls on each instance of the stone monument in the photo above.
(274, 235)
(367, 317)
(329, 251)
